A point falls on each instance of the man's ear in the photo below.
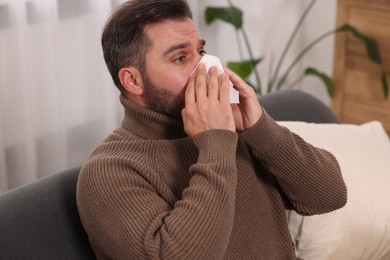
(131, 80)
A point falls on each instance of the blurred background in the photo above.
(57, 99)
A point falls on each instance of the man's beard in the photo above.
(162, 100)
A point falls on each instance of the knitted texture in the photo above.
(150, 192)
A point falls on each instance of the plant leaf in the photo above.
(232, 15)
(323, 77)
(371, 46)
(243, 68)
(256, 62)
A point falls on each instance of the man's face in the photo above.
(176, 50)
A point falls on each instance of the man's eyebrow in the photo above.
(181, 46)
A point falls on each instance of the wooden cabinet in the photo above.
(358, 90)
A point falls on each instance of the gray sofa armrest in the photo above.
(40, 220)
(296, 105)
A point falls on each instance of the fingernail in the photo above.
(201, 66)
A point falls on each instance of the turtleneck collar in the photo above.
(149, 124)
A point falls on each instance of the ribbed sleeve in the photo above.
(310, 177)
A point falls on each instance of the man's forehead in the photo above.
(172, 35)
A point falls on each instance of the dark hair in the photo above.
(124, 41)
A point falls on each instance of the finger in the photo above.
(213, 87)
(235, 79)
(190, 90)
(224, 92)
(200, 83)
(239, 84)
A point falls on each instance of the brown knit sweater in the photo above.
(150, 192)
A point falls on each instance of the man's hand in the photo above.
(249, 110)
(207, 107)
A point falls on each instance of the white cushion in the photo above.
(361, 229)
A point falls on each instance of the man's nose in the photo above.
(198, 57)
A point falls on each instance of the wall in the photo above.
(269, 25)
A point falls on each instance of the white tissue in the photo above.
(209, 61)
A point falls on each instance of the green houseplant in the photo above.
(246, 67)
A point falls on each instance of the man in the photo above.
(188, 175)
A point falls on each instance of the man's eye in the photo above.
(202, 52)
(181, 59)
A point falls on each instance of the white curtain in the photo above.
(57, 100)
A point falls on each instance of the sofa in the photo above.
(40, 220)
